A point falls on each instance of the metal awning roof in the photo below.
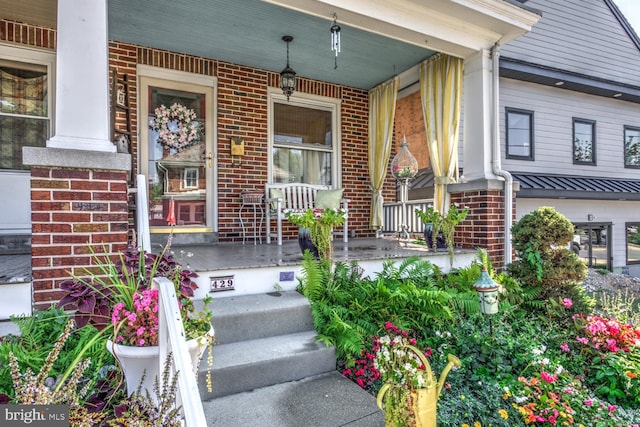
(576, 187)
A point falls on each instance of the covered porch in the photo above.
(235, 51)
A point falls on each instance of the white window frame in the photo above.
(34, 56)
(332, 105)
(191, 174)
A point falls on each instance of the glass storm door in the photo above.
(176, 154)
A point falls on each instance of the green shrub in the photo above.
(540, 240)
(38, 334)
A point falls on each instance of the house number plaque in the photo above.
(222, 283)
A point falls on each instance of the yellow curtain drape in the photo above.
(441, 93)
(382, 109)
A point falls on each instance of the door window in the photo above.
(176, 153)
(591, 241)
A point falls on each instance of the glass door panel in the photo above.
(176, 150)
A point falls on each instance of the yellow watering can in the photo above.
(424, 401)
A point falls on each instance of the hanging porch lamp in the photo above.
(335, 39)
(287, 76)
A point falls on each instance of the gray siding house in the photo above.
(569, 115)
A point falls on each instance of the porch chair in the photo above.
(298, 196)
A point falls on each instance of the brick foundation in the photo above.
(73, 211)
(484, 226)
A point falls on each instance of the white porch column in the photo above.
(477, 106)
(82, 77)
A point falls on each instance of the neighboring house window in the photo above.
(633, 242)
(191, 176)
(304, 140)
(631, 147)
(519, 134)
(584, 142)
(24, 111)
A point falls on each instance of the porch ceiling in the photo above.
(380, 38)
(249, 32)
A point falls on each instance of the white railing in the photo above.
(172, 339)
(392, 214)
(142, 214)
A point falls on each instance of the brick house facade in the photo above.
(80, 197)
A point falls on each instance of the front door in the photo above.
(592, 243)
(177, 131)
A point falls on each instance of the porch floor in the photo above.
(225, 256)
(231, 256)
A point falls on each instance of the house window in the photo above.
(584, 142)
(190, 180)
(519, 134)
(304, 142)
(24, 110)
(633, 242)
(631, 147)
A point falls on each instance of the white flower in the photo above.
(520, 399)
(544, 361)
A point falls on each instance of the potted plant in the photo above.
(409, 395)
(317, 225)
(117, 299)
(442, 224)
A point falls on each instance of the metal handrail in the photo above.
(172, 338)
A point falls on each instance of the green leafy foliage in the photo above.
(349, 308)
(38, 333)
(540, 240)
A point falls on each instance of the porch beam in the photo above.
(457, 27)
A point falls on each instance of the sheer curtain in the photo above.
(441, 92)
(382, 109)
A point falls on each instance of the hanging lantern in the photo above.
(287, 76)
(335, 39)
(487, 292)
(404, 166)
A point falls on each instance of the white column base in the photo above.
(78, 143)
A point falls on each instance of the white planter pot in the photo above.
(138, 361)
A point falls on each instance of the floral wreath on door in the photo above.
(176, 126)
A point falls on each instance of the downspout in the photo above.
(496, 163)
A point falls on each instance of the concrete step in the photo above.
(326, 400)
(247, 365)
(249, 317)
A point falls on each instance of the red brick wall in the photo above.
(242, 112)
(409, 122)
(484, 226)
(71, 211)
(27, 35)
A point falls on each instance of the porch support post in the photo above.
(82, 77)
(481, 190)
(477, 117)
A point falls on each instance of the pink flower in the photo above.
(565, 347)
(588, 402)
(612, 408)
(548, 377)
(582, 340)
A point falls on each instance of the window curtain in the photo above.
(382, 109)
(441, 90)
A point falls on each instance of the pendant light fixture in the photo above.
(287, 76)
(335, 39)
